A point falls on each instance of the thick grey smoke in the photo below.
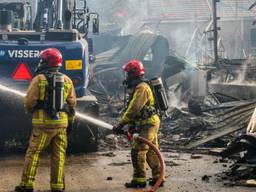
(127, 15)
(139, 12)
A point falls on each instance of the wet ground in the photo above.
(106, 172)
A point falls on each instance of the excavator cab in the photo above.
(59, 24)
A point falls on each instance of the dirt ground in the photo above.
(106, 172)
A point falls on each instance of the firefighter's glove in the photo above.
(117, 129)
(251, 128)
(69, 110)
(70, 127)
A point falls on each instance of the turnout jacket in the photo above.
(37, 90)
(142, 98)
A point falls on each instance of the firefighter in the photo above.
(51, 99)
(251, 129)
(141, 113)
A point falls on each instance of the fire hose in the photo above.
(160, 157)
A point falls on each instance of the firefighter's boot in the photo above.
(20, 188)
(152, 182)
(135, 184)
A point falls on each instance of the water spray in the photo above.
(94, 121)
(10, 90)
(85, 117)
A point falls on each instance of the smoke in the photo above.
(175, 97)
(138, 11)
(247, 74)
(243, 74)
(127, 15)
(184, 43)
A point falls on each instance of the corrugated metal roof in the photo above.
(173, 9)
(179, 9)
(199, 9)
(235, 8)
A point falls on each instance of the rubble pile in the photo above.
(198, 125)
(216, 124)
(242, 151)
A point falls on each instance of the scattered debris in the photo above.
(120, 164)
(206, 178)
(109, 178)
(216, 126)
(108, 154)
(242, 151)
(195, 156)
(173, 155)
(171, 163)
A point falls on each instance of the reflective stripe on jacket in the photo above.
(37, 91)
(142, 96)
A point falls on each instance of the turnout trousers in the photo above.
(39, 140)
(141, 154)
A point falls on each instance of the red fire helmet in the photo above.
(51, 57)
(134, 68)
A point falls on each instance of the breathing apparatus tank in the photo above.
(159, 94)
(55, 91)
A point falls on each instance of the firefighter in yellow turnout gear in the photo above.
(251, 130)
(141, 113)
(49, 127)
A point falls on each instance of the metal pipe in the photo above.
(67, 14)
(59, 14)
(74, 15)
(35, 7)
(215, 30)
